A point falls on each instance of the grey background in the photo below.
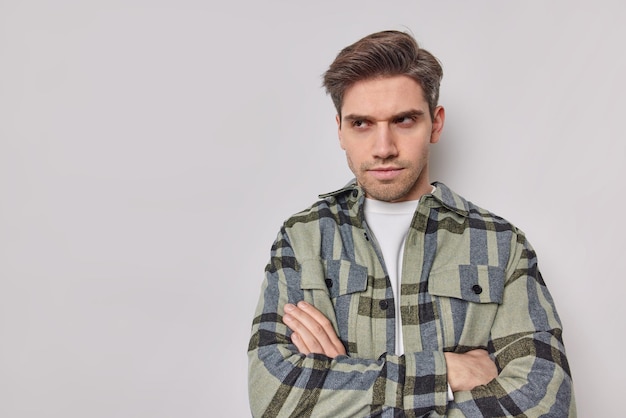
(149, 151)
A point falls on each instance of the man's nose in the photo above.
(385, 145)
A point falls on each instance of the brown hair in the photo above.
(384, 54)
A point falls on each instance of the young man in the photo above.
(397, 297)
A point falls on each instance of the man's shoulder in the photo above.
(340, 206)
(478, 216)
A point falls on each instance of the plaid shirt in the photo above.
(469, 280)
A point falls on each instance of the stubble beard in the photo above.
(394, 190)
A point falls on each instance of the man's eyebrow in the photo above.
(409, 114)
(405, 114)
(353, 116)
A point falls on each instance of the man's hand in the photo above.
(471, 369)
(312, 331)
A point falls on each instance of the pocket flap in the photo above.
(338, 277)
(470, 282)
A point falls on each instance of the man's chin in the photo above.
(386, 194)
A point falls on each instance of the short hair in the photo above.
(384, 54)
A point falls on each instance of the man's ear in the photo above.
(438, 121)
(338, 120)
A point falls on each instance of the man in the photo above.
(393, 296)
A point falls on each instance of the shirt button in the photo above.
(383, 305)
(329, 283)
(355, 193)
(477, 289)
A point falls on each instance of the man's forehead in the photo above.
(384, 96)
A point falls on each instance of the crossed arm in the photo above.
(299, 367)
(314, 334)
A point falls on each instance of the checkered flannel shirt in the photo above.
(469, 280)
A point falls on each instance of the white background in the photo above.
(149, 151)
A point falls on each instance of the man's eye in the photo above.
(359, 123)
(405, 120)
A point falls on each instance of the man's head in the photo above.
(384, 54)
(386, 89)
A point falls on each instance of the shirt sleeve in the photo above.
(284, 383)
(526, 341)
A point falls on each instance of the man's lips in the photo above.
(385, 173)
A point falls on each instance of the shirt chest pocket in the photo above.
(333, 287)
(467, 299)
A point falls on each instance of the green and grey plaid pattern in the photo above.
(469, 280)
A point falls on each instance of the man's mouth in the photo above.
(385, 173)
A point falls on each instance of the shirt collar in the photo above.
(448, 198)
(351, 186)
(443, 195)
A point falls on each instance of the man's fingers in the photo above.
(314, 331)
(311, 333)
(326, 325)
(300, 345)
(471, 369)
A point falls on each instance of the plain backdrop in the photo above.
(150, 150)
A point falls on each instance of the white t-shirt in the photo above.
(390, 222)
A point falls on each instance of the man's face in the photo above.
(386, 129)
